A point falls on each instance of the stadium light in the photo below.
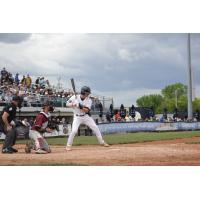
(190, 116)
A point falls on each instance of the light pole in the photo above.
(176, 98)
(190, 116)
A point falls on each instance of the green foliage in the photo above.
(182, 103)
(153, 100)
(172, 95)
(196, 104)
(170, 91)
(169, 104)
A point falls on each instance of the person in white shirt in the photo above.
(81, 105)
(128, 118)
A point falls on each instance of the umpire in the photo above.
(8, 114)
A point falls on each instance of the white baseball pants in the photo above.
(87, 120)
(40, 142)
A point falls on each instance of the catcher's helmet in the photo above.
(85, 90)
(50, 104)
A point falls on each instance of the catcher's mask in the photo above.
(19, 100)
(50, 105)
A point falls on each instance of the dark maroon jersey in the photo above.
(41, 121)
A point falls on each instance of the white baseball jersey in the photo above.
(80, 117)
(87, 102)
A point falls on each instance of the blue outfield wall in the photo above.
(127, 127)
(123, 127)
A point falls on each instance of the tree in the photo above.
(196, 104)
(153, 100)
(178, 89)
(175, 95)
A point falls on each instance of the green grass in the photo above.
(123, 138)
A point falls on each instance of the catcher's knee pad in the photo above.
(43, 145)
(40, 142)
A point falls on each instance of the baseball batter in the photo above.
(81, 105)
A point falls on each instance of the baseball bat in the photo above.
(73, 86)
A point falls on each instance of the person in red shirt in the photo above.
(39, 127)
(118, 117)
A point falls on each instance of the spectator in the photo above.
(111, 110)
(3, 72)
(23, 81)
(3, 75)
(37, 82)
(108, 118)
(27, 100)
(28, 81)
(17, 81)
(100, 110)
(162, 119)
(48, 84)
(8, 96)
(10, 79)
(128, 118)
(118, 117)
(63, 121)
(122, 111)
(42, 82)
(132, 111)
(137, 116)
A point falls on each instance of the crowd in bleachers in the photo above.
(146, 115)
(34, 92)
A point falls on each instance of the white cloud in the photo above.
(124, 54)
(109, 63)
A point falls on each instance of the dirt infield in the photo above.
(161, 153)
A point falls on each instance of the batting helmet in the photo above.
(85, 90)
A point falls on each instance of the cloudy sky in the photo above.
(122, 66)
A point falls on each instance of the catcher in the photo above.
(40, 126)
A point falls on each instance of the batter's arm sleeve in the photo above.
(88, 105)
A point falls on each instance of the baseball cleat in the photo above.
(40, 151)
(7, 150)
(105, 145)
(14, 150)
(68, 148)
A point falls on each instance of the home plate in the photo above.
(114, 149)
